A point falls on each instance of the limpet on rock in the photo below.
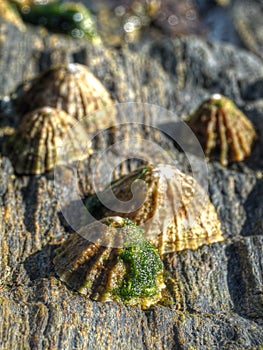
(222, 128)
(74, 89)
(125, 268)
(172, 207)
(45, 138)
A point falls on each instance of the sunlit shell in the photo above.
(74, 89)
(172, 207)
(45, 138)
(223, 129)
(101, 271)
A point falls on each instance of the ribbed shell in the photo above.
(223, 130)
(176, 212)
(95, 270)
(36, 147)
(74, 89)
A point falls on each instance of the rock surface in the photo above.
(219, 287)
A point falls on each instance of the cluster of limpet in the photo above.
(116, 264)
(172, 207)
(222, 128)
(74, 89)
(45, 138)
(53, 103)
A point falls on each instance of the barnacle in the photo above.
(74, 89)
(222, 128)
(70, 18)
(126, 267)
(171, 206)
(35, 147)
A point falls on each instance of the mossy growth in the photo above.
(143, 266)
(118, 265)
(70, 18)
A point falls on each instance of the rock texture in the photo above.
(218, 288)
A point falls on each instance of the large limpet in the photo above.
(125, 268)
(222, 128)
(171, 206)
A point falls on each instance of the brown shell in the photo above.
(34, 148)
(74, 89)
(95, 269)
(176, 212)
(220, 126)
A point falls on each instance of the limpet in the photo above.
(34, 147)
(125, 268)
(223, 129)
(74, 89)
(172, 207)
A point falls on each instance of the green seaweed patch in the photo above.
(143, 266)
(73, 19)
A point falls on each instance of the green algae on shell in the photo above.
(126, 268)
(45, 138)
(70, 18)
(222, 128)
(172, 207)
(74, 89)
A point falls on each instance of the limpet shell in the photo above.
(74, 89)
(222, 128)
(125, 268)
(45, 138)
(172, 207)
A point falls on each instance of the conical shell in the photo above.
(127, 268)
(74, 89)
(172, 207)
(222, 128)
(45, 138)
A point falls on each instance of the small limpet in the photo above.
(36, 146)
(222, 128)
